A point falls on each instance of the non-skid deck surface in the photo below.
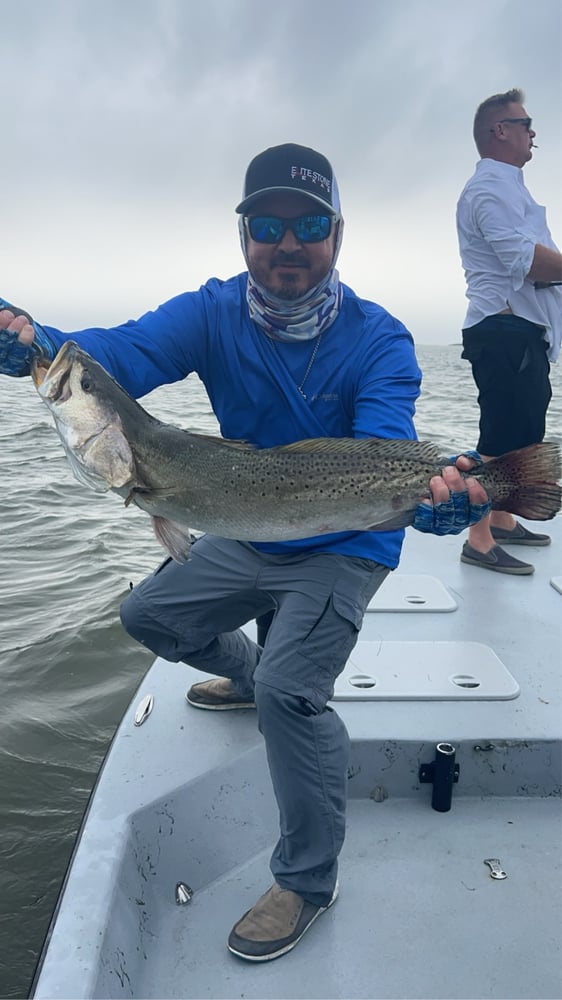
(418, 916)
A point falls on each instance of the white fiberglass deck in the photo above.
(186, 798)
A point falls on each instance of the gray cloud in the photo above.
(128, 124)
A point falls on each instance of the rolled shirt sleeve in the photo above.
(505, 230)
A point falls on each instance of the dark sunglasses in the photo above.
(306, 228)
(525, 122)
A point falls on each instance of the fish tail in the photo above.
(524, 482)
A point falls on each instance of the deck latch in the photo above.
(495, 866)
(184, 893)
(143, 709)
(442, 773)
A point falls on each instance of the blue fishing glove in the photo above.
(15, 357)
(456, 514)
(475, 455)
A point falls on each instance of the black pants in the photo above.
(511, 370)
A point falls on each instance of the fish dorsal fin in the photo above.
(395, 448)
(418, 450)
(332, 445)
(225, 442)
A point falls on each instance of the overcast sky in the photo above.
(128, 126)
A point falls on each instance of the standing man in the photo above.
(513, 326)
(286, 351)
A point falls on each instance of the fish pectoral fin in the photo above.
(148, 494)
(173, 537)
(400, 520)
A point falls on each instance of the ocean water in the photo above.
(67, 668)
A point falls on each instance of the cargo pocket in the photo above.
(330, 641)
(347, 608)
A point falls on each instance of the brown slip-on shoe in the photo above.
(274, 925)
(497, 560)
(519, 536)
(217, 695)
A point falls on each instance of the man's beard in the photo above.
(289, 290)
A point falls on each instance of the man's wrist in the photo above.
(42, 341)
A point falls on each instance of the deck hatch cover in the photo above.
(412, 593)
(424, 671)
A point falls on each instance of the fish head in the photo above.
(83, 399)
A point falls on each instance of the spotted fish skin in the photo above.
(230, 488)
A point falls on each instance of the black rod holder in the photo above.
(442, 773)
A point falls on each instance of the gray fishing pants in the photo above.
(193, 613)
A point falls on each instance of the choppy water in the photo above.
(67, 668)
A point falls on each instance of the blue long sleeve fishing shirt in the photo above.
(363, 382)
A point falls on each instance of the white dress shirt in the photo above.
(498, 227)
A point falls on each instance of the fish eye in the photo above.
(86, 383)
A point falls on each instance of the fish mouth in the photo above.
(53, 381)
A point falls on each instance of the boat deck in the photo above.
(451, 653)
(418, 914)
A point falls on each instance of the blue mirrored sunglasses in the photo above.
(306, 228)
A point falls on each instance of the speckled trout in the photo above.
(230, 488)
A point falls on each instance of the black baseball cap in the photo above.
(291, 168)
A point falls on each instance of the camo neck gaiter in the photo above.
(300, 319)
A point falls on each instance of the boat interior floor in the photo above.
(185, 800)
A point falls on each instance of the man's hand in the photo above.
(17, 334)
(455, 503)
(18, 324)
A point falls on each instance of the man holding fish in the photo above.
(287, 354)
